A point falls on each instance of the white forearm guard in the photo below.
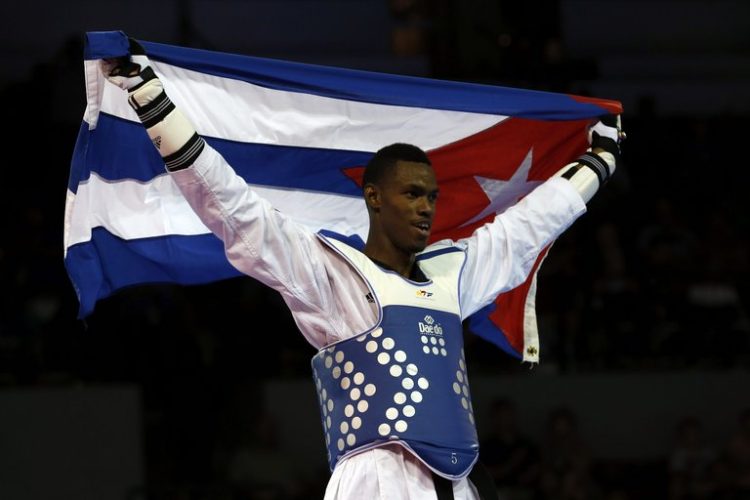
(588, 173)
(170, 132)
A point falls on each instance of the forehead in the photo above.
(412, 172)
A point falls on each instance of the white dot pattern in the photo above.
(394, 360)
(324, 402)
(432, 340)
(335, 362)
(394, 419)
(461, 388)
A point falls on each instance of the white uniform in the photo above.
(328, 299)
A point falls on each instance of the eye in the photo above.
(433, 197)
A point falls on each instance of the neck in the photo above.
(395, 261)
(382, 250)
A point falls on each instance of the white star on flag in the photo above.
(503, 194)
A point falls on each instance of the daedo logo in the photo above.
(429, 326)
(424, 294)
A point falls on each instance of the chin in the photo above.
(419, 246)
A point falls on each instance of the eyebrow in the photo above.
(419, 187)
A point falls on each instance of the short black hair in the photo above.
(386, 157)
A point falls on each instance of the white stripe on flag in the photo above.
(239, 111)
(131, 209)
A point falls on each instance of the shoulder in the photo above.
(442, 246)
(439, 248)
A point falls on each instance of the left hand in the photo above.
(607, 134)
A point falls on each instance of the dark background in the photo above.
(168, 390)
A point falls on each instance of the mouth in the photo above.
(423, 228)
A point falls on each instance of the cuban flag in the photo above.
(300, 134)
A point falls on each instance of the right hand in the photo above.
(134, 74)
(131, 71)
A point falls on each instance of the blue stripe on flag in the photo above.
(185, 260)
(120, 149)
(289, 167)
(359, 85)
(78, 168)
(481, 325)
(105, 44)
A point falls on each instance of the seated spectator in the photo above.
(689, 462)
(565, 460)
(738, 455)
(511, 457)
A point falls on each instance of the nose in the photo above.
(426, 206)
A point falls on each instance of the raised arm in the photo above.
(259, 240)
(501, 254)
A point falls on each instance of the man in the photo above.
(386, 317)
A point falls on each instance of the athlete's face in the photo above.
(407, 205)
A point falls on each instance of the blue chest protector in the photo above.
(404, 381)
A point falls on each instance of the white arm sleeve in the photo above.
(501, 254)
(258, 240)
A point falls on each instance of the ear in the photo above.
(372, 197)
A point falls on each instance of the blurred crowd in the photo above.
(559, 465)
(656, 277)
